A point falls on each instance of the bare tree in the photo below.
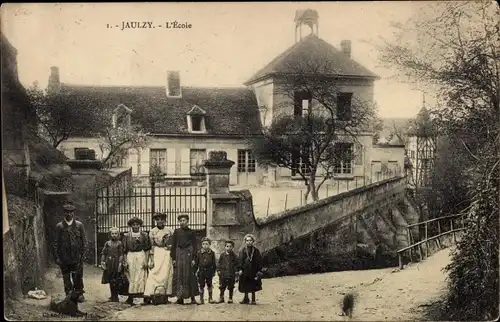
(454, 48)
(116, 142)
(314, 115)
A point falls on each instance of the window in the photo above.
(299, 163)
(120, 160)
(196, 122)
(246, 161)
(158, 158)
(344, 158)
(121, 116)
(344, 110)
(302, 103)
(196, 119)
(197, 156)
(412, 154)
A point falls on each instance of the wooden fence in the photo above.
(433, 230)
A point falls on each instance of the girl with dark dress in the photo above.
(136, 247)
(183, 255)
(112, 262)
(250, 270)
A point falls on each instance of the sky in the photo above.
(226, 44)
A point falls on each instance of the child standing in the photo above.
(112, 262)
(206, 266)
(250, 270)
(227, 269)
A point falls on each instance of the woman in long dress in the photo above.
(184, 255)
(137, 246)
(160, 275)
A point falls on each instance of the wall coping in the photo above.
(320, 203)
(84, 164)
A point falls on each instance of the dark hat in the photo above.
(183, 216)
(69, 207)
(134, 220)
(159, 215)
(229, 242)
(206, 239)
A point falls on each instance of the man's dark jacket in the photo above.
(70, 242)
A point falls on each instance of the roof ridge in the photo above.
(150, 86)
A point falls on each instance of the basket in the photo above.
(159, 298)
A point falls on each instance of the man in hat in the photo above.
(183, 255)
(70, 242)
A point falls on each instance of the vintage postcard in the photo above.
(259, 161)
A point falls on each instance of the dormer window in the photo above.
(121, 116)
(196, 120)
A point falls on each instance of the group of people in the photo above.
(166, 261)
(170, 262)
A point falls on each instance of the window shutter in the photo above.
(185, 161)
(171, 161)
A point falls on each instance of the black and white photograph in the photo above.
(251, 161)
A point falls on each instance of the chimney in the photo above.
(345, 45)
(54, 84)
(173, 84)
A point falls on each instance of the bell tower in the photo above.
(307, 17)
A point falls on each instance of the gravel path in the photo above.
(382, 294)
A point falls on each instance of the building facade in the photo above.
(185, 123)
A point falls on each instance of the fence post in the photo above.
(409, 242)
(286, 199)
(327, 190)
(426, 242)
(153, 200)
(453, 231)
(268, 200)
(439, 233)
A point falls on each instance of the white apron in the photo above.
(136, 273)
(162, 272)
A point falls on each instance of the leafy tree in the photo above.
(310, 121)
(453, 47)
(57, 115)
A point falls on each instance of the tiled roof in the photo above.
(317, 53)
(229, 111)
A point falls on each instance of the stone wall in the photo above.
(370, 221)
(25, 247)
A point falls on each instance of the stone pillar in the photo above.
(222, 212)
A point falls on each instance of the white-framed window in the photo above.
(344, 158)
(197, 156)
(196, 120)
(246, 161)
(121, 116)
(158, 158)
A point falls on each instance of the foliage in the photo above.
(117, 141)
(454, 47)
(309, 135)
(63, 114)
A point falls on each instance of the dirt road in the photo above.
(381, 295)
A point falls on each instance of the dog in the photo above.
(348, 305)
(68, 306)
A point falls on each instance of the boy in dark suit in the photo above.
(227, 268)
(206, 265)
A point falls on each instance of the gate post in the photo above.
(221, 205)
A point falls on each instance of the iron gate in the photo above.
(115, 207)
